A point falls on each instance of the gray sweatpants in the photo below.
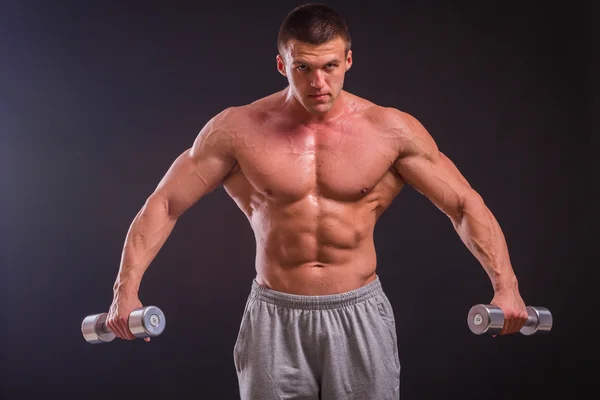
(334, 347)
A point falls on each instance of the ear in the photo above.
(280, 65)
(349, 60)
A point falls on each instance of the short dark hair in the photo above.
(313, 24)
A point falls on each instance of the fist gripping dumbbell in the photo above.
(488, 319)
(143, 322)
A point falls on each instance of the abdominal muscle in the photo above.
(314, 246)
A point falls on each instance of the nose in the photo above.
(317, 80)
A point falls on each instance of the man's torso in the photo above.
(313, 193)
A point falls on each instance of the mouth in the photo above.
(318, 96)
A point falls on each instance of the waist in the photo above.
(316, 279)
(317, 302)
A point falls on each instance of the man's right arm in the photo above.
(195, 172)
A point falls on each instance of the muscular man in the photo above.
(313, 167)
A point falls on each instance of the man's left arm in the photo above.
(423, 166)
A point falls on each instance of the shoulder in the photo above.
(225, 120)
(391, 120)
(220, 132)
(229, 122)
(226, 127)
(403, 128)
(245, 115)
(380, 116)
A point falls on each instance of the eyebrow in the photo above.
(332, 61)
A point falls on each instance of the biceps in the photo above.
(189, 178)
(438, 179)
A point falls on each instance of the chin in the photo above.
(318, 112)
(319, 109)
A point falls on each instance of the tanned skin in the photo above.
(313, 167)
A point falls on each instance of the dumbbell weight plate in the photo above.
(148, 321)
(540, 320)
(94, 329)
(485, 319)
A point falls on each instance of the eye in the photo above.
(301, 67)
(331, 66)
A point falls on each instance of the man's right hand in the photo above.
(118, 315)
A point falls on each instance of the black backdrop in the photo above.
(96, 101)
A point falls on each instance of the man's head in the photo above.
(314, 54)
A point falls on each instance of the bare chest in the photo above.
(342, 163)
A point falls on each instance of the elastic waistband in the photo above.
(324, 302)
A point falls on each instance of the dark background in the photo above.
(97, 100)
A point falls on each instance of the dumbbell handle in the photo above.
(105, 328)
(531, 321)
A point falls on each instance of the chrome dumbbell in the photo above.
(488, 319)
(143, 322)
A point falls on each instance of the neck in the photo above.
(302, 116)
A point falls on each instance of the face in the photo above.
(315, 73)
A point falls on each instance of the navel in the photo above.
(268, 192)
(365, 190)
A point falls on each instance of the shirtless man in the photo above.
(313, 167)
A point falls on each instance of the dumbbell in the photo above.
(489, 319)
(144, 322)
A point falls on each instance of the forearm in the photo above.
(148, 232)
(480, 232)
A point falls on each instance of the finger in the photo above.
(509, 323)
(517, 322)
(127, 331)
(119, 331)
(512, 325)
(130, 335)
(112, 325)
(522, 320)
(505, 327)
(123, 328)
(147, 339)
